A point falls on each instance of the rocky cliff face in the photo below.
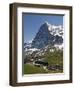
(48, 35)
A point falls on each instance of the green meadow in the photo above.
(53, 58)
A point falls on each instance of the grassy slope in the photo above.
(31, 69)
(55, 58)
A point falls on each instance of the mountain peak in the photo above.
(46, 23)
(47, 35)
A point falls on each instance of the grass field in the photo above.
(55, 58)
(31, 69)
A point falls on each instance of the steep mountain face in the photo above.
(48, 35)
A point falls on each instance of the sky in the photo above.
(32, 23)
